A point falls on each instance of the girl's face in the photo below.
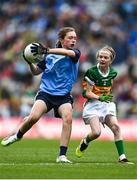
(69, 40)
(104, 58)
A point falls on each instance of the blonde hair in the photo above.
(110, 49)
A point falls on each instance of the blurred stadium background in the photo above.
(112, 22)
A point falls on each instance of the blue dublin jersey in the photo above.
(59, 73)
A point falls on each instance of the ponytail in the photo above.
(58, 44)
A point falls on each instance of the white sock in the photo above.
(85, 141)
(122, 156)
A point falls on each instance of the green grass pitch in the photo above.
(35, 159)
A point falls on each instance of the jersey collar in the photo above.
(102, 74)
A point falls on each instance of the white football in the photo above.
(29, 55)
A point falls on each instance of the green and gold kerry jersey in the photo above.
(100, 84)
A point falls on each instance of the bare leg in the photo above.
(38, 109)
(65, 111)
(95, 128)
(94, 134)
(112, 123)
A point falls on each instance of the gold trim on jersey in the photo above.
(98, 90)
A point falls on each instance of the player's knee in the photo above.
(68, 118)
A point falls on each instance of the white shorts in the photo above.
(99, 109)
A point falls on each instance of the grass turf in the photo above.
(35, 159)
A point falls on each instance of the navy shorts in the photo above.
(54, 102)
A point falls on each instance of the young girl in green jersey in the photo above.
(99, 108)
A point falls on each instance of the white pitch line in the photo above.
(53, 164)
(27, 164)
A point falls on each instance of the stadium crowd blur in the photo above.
(98, 22)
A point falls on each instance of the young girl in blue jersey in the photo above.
(59, 68)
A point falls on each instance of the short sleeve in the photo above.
(77, 55)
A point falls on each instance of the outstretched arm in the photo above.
(62, 51)
(40, 49)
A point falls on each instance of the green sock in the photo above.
(120, 147)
